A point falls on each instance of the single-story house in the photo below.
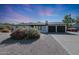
(44, 27)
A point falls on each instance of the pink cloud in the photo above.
(46, 12)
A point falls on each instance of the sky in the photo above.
(24, 13)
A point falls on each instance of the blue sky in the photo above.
(19, 13)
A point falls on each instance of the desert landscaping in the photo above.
(45, 45)
(39, 29)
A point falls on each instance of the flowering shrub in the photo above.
(26, 33)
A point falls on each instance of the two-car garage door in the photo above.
(51, 29)
(56, 29)
(60, 28)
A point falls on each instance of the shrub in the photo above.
(33, 33)
(26, 33)
(5, 30)
(1, 29)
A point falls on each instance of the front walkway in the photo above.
(46, 45)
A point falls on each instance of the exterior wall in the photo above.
(40, 28)
(43, 28)
(56, 28)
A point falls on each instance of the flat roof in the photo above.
(41, 23)
(38, 23)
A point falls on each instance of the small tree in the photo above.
(68, 20)
(77, 20)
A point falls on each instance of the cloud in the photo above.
(27, 7)
(11, 15)
(45, 12)
(21, 18)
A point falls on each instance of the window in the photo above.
(40, 27)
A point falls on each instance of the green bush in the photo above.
(26, 33)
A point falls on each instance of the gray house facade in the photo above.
(47, 27)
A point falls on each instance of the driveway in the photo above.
(70, 41)
(46, 45)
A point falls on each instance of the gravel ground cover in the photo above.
(46, 45)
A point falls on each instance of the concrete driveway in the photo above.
(70, 41)
(46, 45)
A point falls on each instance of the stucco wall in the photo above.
(44, 29)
